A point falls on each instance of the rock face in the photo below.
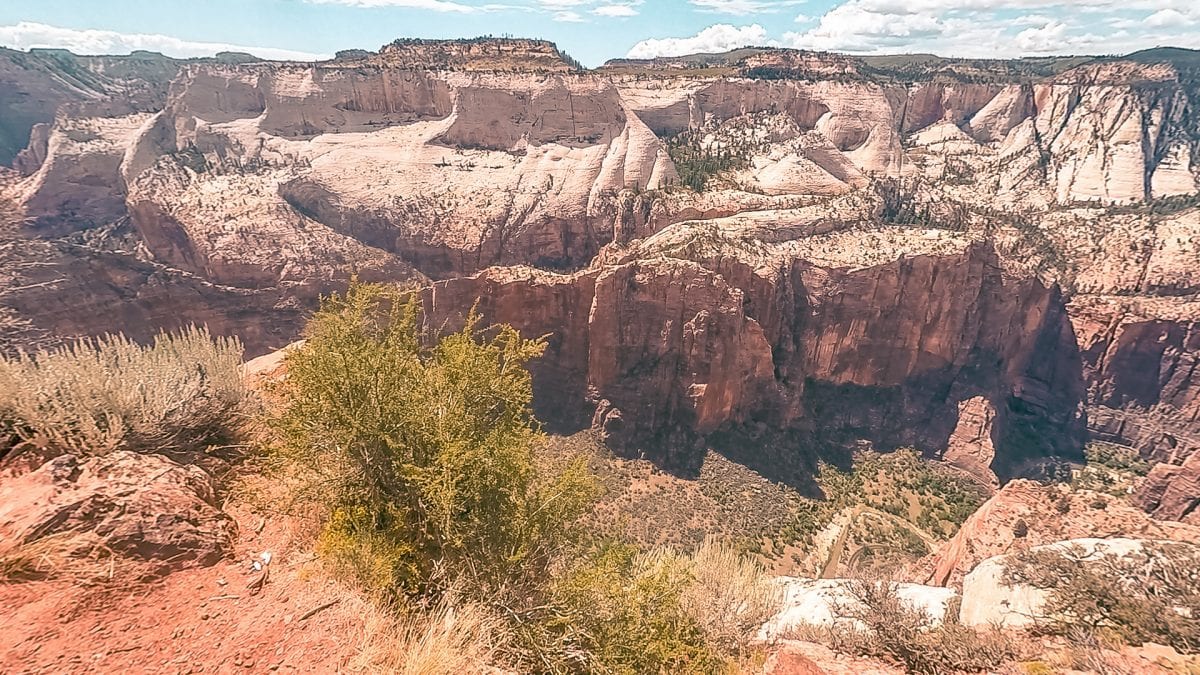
(661, 350)
(962, 258)
(1172, 491)
(143, 506)
(34, 84)
(970, 446)
(1049, 513)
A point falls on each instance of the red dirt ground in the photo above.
(192, 621)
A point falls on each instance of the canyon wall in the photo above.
(977, 265)
(659, 351)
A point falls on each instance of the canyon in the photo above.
(991, 262)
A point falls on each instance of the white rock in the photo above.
(988, 600)
(821, 602)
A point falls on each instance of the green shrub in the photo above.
(422, 454)
(96, 396)
(420, 451)
(730, 596)
(624, 614)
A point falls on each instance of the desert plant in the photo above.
(1147, 595)
(883, 625)
(81, 558)
(422, 453)
(99, 395)
(443, 640)
(623, 612)
(729, 595)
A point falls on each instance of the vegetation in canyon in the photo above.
(420, 451)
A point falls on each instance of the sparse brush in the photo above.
(81, 558)
(619, 611)
(444, 640)
(1148, 595)
(109, 393)
(879, 623)
(730, 596)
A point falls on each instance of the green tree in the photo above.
(422, 449)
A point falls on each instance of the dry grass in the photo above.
(730, 596)
(96, 396)
(444, 640)
(79, 557)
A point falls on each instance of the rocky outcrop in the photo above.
(832, 602)
(481, 54)
(661, 350)
(142, 506)
(990, 599)
(34, 85)
(1172, 491)
(1025, 514)
(1136, 317)
(970, 446)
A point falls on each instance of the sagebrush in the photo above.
(880, 624)
(1148, 595)
(103, 394)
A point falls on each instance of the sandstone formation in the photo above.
(831, 602)
(717, 332)
(1025, 514)
(989, 600)
(976, 259)
(35, 84)
(143, 506)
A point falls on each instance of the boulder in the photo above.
(987, 600)
(825, 602)
(143, 506)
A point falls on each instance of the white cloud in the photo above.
(983, 29)
(716, 38)
(1169, 17)
(852, 27)
(431, 5)
(26, 34)
(1041, 40)
(743, 7)
(615, 10)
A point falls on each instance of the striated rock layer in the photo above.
(659, 352)
(976, 260)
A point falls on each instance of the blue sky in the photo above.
(597, 30)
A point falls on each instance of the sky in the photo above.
(594, 31)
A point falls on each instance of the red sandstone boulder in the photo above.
(143, 506)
